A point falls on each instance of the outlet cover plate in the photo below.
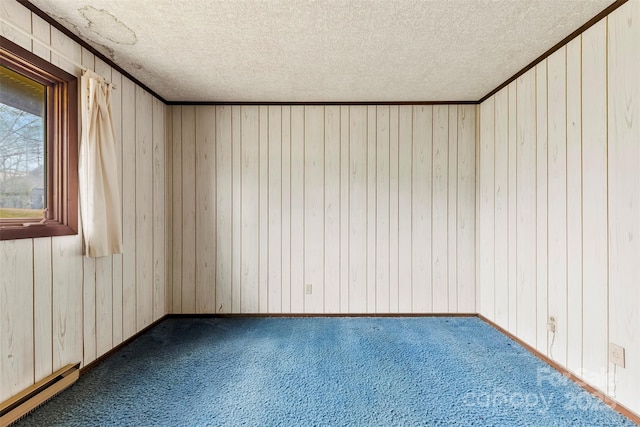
(616, 354)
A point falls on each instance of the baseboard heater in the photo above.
(26, 401)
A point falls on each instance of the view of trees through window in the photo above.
(22, 147)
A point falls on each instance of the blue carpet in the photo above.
(324, 372)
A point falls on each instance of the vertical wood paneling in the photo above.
(526, 208)
(486, 223)
(332, 209)
(236, 221)
(345, 204)
(513, 219)
(439, 220)
(624, 197)
(557, 202)
(405, 189)
(297, 209)
(394, 248)
(286, 209)
(422, 297)
(594, 203)
(263, 210)
(466, 243)
(66, 266)
(382, 210)
(358, 209)
(250, 239)
(314, 208)
(144, 208)
(41, 29)
(189, 296)
(371, 208)
(128, 208)
(176, 167)
(345, 199)
(224, 209)
(71, 308)
(116, 265)
(16, 306)
(574, 196)
(205, 274)
(274, 232)
(159, 211)
(21, 17)
(452, 209)
(541, 206)
(501, 233)
(42, 303)
(574, 211)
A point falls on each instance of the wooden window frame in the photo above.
(61, 217)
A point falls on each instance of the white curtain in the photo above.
(98, 171)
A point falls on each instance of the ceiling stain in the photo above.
(107, 26)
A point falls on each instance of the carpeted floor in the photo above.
(324, 372)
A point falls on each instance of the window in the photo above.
(38, 146)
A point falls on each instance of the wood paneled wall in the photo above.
(559, 218)
(323, 209)
(56, 306)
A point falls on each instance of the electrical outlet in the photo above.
(616, 354)
(551, 324)
(308, 289)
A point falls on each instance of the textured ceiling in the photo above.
(322, 51)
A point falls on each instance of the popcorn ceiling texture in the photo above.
(322, 51)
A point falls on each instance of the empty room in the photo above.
(319, 212)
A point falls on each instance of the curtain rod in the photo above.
(50, 48)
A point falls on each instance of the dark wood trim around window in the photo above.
(62, 145)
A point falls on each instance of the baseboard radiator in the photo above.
(26, 401)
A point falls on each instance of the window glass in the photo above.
(23, 147)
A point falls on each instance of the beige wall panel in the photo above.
(394, 248)
(332, 232)
(541, 206)
(371, 208)
(159, 211)
(42, 308)
(129, 152)
(358, 209)
(422, 209)
(345, 204)
(314, 188)
(486, 221)
(501, 226)
(297, 209)
(176, 250)
(263, 210)
(188, 209)
(224, 209)
(16, 306)
(526, 208)
(574, 211)
(382, 210)
(557, 202)
(274, 210)
(439, 203)
(205, 119)
(624, 198)
(250, 239)
(144, 208)
(594, 204)
(286, 209)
